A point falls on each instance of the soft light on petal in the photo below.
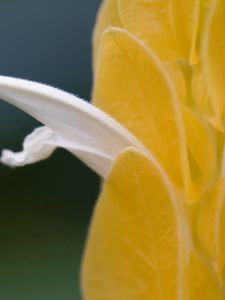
(202, 280)
(202, 145)
(135, 246)
(133, 86)
(169, 27)
(139, 246)
(211, 225)
(213, 62)
(37, 146)
(108, 15)
(199, 91)
(78, 126)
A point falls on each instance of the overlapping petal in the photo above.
(72, 123)
(108, 15)
(146, 241)
(132, 85)
(213, 63)
(134, 249)
(203, 283)
(139, 245)
(169, 27)
(202, 145)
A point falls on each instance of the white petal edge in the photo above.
(71, 123)
(37, 146)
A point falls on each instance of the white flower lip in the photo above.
(70, 123)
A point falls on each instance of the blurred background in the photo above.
(45, 208)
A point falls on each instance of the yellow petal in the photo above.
(213, 49)
(205, 221)
(211, 225)
(176, 75)
(207, 3)
(139, 246)
(108, 15)
(201, 141)
(135, 245)
(186, 16)
(202, 280)
(169, 27)
(219, 251)
(199, 91)
(133, 86)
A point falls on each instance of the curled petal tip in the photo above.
(37, 146)
(8, 158)
(71, 123)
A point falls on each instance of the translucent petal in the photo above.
(177, 77)
(37, 146)
(202, 144)
(211, 225)
(213, 49)
(219, 229)
(139, 246)
(206, 220)
(203, 283)
(133, 86)
(169, 27)
(78, 126)
(199, 91)
(135, 248)
(207, 3)
(108, 15)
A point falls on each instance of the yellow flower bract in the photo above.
(139, 245)
(158, 227)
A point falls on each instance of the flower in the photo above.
(157, 140)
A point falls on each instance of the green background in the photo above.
(45, 208)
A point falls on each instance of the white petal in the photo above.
(80, 127)
(36, 146)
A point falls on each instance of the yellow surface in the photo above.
(108, 15)
(202, 280)
(205, 222)
(219, 250)
(213, 49)
(199, 91)
(201, 141)
(134, 87)
(133, 250)
(211, 226)
(138, 246)
(161, 75)
(169, 27)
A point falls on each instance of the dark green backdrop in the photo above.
(44, 208)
